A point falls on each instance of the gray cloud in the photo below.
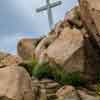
(17, 17)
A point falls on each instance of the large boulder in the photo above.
(15, 84)
(71, 49)
(70, 45)
(26, 48)
(90, 14)
(40, 51)
(75, 52)
(68, 50)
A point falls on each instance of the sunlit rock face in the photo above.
(7, 59)
(64, 44)
(90, 13)
(26, 48)
(66, 50)
(15, 84)
(70, 45)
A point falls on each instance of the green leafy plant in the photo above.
(29, 65)
(58, 74)
(73, 79)
(42, 70)
(54, 72)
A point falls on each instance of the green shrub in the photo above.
(54, 72)
(29, 65)
(73, 79)
(64, 78)
(42, 70)
(58, 74)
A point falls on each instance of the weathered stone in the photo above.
(46, 81)
(59, 27)
(71, 14)
(75, 51)
(15, 84)
(52, 90)
(26, 48)
(7, 59)
(67, 50)
(43, 91)
(90, 13)
(43, 95)
(67, 93)
(40, 51)
(52, 96)
(73, 18)
(4, 98)
(86, 96)
(52, 85)
(92, 59)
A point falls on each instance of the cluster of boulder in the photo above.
(45, 88)
(73, 43)
(15, 82)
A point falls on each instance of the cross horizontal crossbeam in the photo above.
(48, 7)
(52, 5)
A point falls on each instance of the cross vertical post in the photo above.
(49, 14)
(49, 7)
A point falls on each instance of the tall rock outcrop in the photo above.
(69, 43)
(90, 14)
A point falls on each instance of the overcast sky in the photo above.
(19, 19)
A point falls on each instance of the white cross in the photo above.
(48, 7)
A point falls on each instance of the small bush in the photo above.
(29, 65)
(73, 79)
(54, 72)
(58, 74)
(42, 70)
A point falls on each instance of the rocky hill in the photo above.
(64, 65)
